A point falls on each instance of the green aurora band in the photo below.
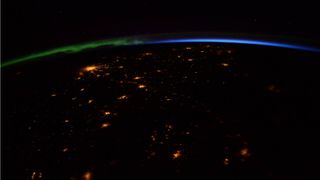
(72, 49)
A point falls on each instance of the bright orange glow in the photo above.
(225, 64)
(137, 78)
(105, 125)
(141, 86)
(123, 97)
(33, 175)
(87, 175)
(226, 161)
(177, 154)
(107, 113)
(91, 68)
(245, 152)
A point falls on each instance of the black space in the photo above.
(30, 26)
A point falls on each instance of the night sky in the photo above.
(30, 26)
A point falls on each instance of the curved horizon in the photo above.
(140, 41)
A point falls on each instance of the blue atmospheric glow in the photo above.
(237, 41)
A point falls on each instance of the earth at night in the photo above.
(225, 111)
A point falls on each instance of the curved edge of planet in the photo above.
(163, 39)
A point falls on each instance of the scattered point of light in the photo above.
(105, 125)
(80, 74)
(91, 68)
(53, 95)
(153, 138)
(137, 78)
(33, 175)
(107, 113)
(177, 154)
(188, 48)
(273, 88)
(87, 175)
(36, 175)
(158, 70)
(188, 133)
(226, 161)
(90, 101)
(179, 56)
(190, 59)
(245, 152)
(123, 97)
(67, 120)
(120, 67)
(152, 153)
(65, 149)
(141, 86)
(166, 136)
(225, 64)
(169, 127)
(82, 89)
(148, 54)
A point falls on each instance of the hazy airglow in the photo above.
(237, 41)
(140, 41)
